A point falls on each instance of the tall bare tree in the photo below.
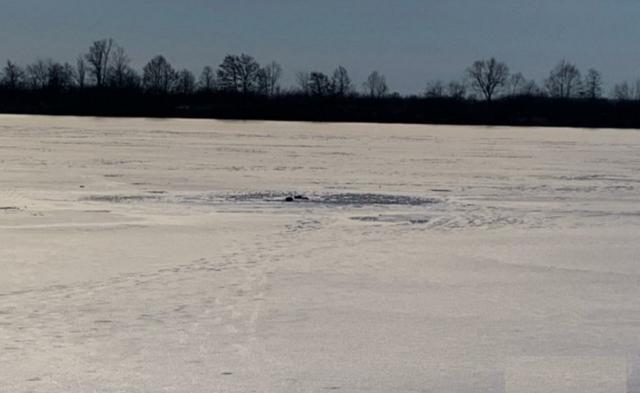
(341, 82)
(564, 81)
(119, 73)
(81, 72)
(207, 79)
(319, 84)
(269, 79)
(98, 60)
(515, 84)
(488, 77)
(37, 74)
(13, 76)
(376, 85)
(185, 82)
(302, 79)
(159, 76)
(239, 74)
(592, 84)
(59, 76)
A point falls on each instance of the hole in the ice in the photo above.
(342, 199)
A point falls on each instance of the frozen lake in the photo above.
(161, 256)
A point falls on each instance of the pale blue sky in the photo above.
(410, 41)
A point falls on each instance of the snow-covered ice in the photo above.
(159, 256)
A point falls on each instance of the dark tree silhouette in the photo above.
(376, 85)
(120, 75)
(457, 90)
(13, 76)
(269, 79)
(435, 89)
(519, 86)
(515, 84)
(319, 84)
(185, 82)
(564, 81)
(626, 92)
(341, 82)
(81, 72)
(238, 74)
(302, 79)
(207, 81)
(98, 60)
(592, 84)
(37, 74)
(488, 77)
(59, 76)
(159, 77)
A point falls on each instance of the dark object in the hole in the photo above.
(301, 198)
(289, 199)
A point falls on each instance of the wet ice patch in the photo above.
(376, 199)
(119, 198)
(394, 219)
(342, 199)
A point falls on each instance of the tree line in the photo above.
(106, 65)
(102, 81)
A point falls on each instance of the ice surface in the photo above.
(159, 256)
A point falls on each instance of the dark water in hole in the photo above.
(343, 199)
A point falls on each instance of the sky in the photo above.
(410, 41)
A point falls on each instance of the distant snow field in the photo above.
(196, 256)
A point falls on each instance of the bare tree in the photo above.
(120, 74)
(435, 89)
(239, 74)
(592, 84)
(341, 82)
(319, 84)
(249, 68)
(376, 85)
(516, 83)
(37, 74)
(158, 76)
(564, 81)
(229, 74)
(81, 72)
(302, 79)
(488, 77)
(185, 82)
(98, 59)
(626, 92)
(269, 79)
(13, 76)
(457, 90)
(59, 76)
(207, 79)
(622, 91)
(454, 89)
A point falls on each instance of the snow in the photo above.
(159, 256)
